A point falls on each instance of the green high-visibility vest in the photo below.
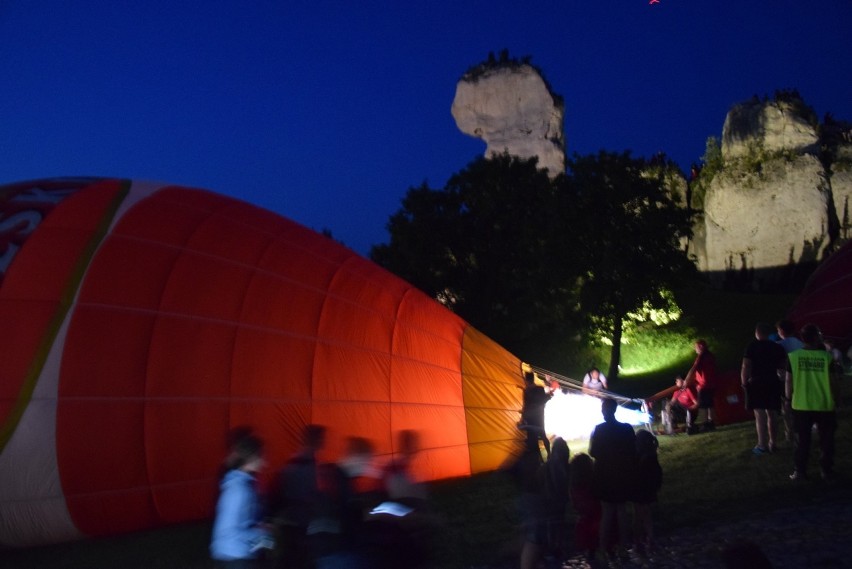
(811, 380)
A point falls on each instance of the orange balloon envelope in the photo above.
(141, 322)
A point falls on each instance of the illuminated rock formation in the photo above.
(777, 199)
(510, 106)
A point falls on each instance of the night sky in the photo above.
(327, 112)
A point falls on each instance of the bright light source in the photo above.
(573, 416)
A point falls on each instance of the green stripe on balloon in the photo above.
(8, 427)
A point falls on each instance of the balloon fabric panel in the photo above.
(441, 429)
(159, 223)
(202, 286)
(181, 455)
(223, 238)
(138, 272)
(416, 383)
(428, 332)
(344, 373)
(351, 419)
(353, 358)
(493, 390)
(282, 306)
(190, 358)
(104, 477)
(272, 365)
(121, 359)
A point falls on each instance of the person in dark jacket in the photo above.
(613, 446)
(649, 480)
(300, 497)
(532, 412)
(762, 368)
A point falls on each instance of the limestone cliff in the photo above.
(776, 199)
(510, 107)
(841, 192)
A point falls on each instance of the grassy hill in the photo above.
(724, 319)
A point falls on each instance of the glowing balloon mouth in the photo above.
(573, 415)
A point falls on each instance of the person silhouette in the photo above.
(613, 446)
(532, 413)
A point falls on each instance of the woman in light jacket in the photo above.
(238, 537)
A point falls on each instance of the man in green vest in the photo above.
(810, 387)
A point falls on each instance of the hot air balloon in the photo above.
(142, 321)
(825, 299)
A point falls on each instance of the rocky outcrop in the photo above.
(774, 218)
(784, 125)
(836, 139)
(510, 106)
(841, 192)
(776, 200)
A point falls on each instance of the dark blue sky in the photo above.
(327, 112)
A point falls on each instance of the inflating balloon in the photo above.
(825, 299)
(141, 322)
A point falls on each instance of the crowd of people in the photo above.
(789, 383)
(610, 489)
(353, 514)
(350, 514)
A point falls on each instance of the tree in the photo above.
(532, 262)
(484, 246)
(630, 237)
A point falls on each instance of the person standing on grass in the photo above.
(531, 504)
(532, 412)
(299, 498)
(703, 374)
(760, 375)
(613, 446)
(238, 535)
(787, 332)
(649, 480)
(587, 506)
(836, 354)
(555, 479)
(810, 386)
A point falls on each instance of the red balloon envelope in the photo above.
(826, 299)
(141, 322)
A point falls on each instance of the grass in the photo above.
(724, 319)
(708, 478)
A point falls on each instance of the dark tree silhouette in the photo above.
(630, 238)
(485, 246)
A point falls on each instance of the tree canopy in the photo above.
(534, 262)
(483, 245)
(631, 238)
